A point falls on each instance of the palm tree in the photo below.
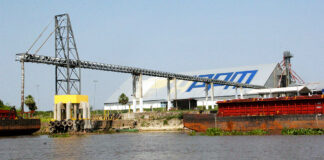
(30, 102)
(123, 99)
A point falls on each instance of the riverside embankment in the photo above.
(147, 121)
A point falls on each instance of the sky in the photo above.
(166, 35)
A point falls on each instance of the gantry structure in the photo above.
(68, 67)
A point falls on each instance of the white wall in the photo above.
(124, 107)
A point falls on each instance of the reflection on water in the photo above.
(162, 146)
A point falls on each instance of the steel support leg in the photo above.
(169, 96)
(88, 116)
(84, 113)
(134, 93)
(212, 95)
(206, 94)
(175, 92)
(140, 86)
(236, 97)
(241, 91)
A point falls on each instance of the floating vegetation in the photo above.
(63, 135)
(219, 132)
(192, 133)
(302, 131)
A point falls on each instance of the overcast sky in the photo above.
(173, 36)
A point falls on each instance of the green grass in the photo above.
(302, 131)
(219, 132)
(169, 117)
(44, 116)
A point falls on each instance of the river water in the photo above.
(162, 145)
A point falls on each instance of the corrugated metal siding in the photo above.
(155, 88)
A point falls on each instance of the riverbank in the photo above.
(168, 122)
(143, 122)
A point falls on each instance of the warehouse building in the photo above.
(155, 88)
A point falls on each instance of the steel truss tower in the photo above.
(67, 77)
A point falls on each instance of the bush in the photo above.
(302, 131)
(165, 122)
(219, 132)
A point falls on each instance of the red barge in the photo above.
(271, 114)
(10, 124)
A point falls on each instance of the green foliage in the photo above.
(302, 131)
(123, 99)
(192, 133)
(4, 106)
(59, 135)
(219, 132)
(30, 102)
(165, 122)
(1, 103)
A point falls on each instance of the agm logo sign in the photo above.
(230, 76)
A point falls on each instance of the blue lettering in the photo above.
(243, 74)
(228, 77)
(195, 85)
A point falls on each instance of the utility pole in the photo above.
(22, 86)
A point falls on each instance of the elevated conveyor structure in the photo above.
(124, 69)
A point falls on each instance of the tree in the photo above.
(30, 102)
(1, 103)
(123, 99)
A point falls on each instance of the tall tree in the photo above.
(123, 99)
(30, 102)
